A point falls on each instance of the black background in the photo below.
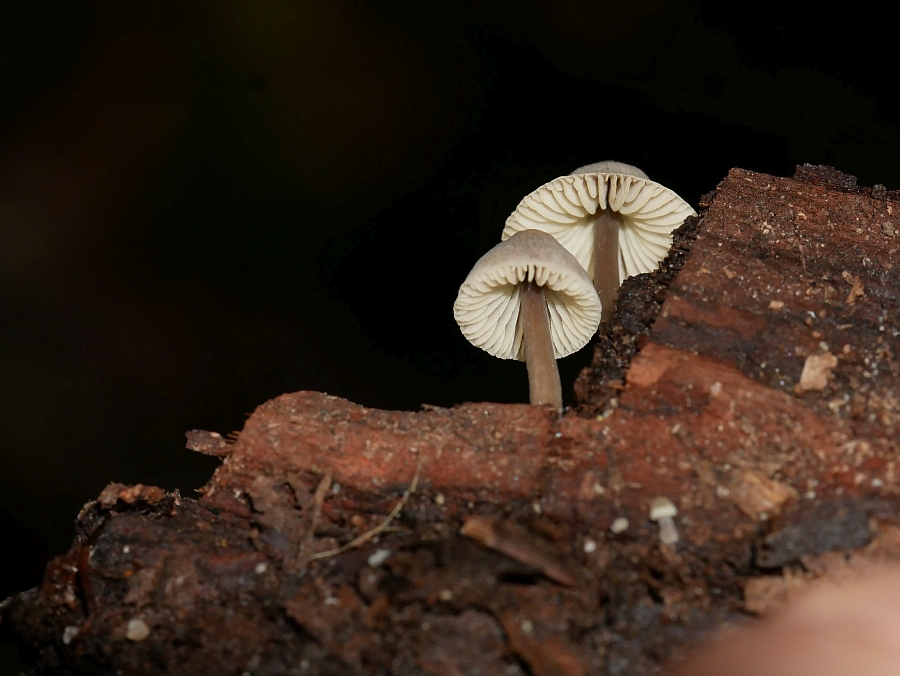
(206, 204)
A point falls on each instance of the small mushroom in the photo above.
(529, 299)
(662, 510)
(614, 220)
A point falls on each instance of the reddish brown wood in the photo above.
(713, 387)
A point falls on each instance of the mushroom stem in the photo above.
(543, 374)
(668, 533)
(606, 259)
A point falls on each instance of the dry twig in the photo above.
(368, 535)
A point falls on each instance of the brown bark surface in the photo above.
(754, 380)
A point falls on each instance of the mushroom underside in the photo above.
(569, 207)
(529, 299)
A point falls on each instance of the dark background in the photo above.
(206, 204)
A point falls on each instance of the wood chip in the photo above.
(756, 495)
(130, 494)
(816, 371)
(857, 289)
(208, 443)
(509, 544)
(551, 656)
(762, 595)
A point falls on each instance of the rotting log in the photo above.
(753, 380)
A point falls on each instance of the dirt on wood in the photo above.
(753, 380)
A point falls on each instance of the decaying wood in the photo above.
(515, 546)
(754, 380)
(380, 528)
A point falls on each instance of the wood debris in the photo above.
(514, 546)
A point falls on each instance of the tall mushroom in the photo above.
(529, 299)
(610, 216)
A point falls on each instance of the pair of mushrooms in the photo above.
(541, 293)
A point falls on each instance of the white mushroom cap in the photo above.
(487, 307)
(661, 508)
(563, 206)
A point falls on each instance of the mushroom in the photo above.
(610, 216)
(529, 299)
(662, 510)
